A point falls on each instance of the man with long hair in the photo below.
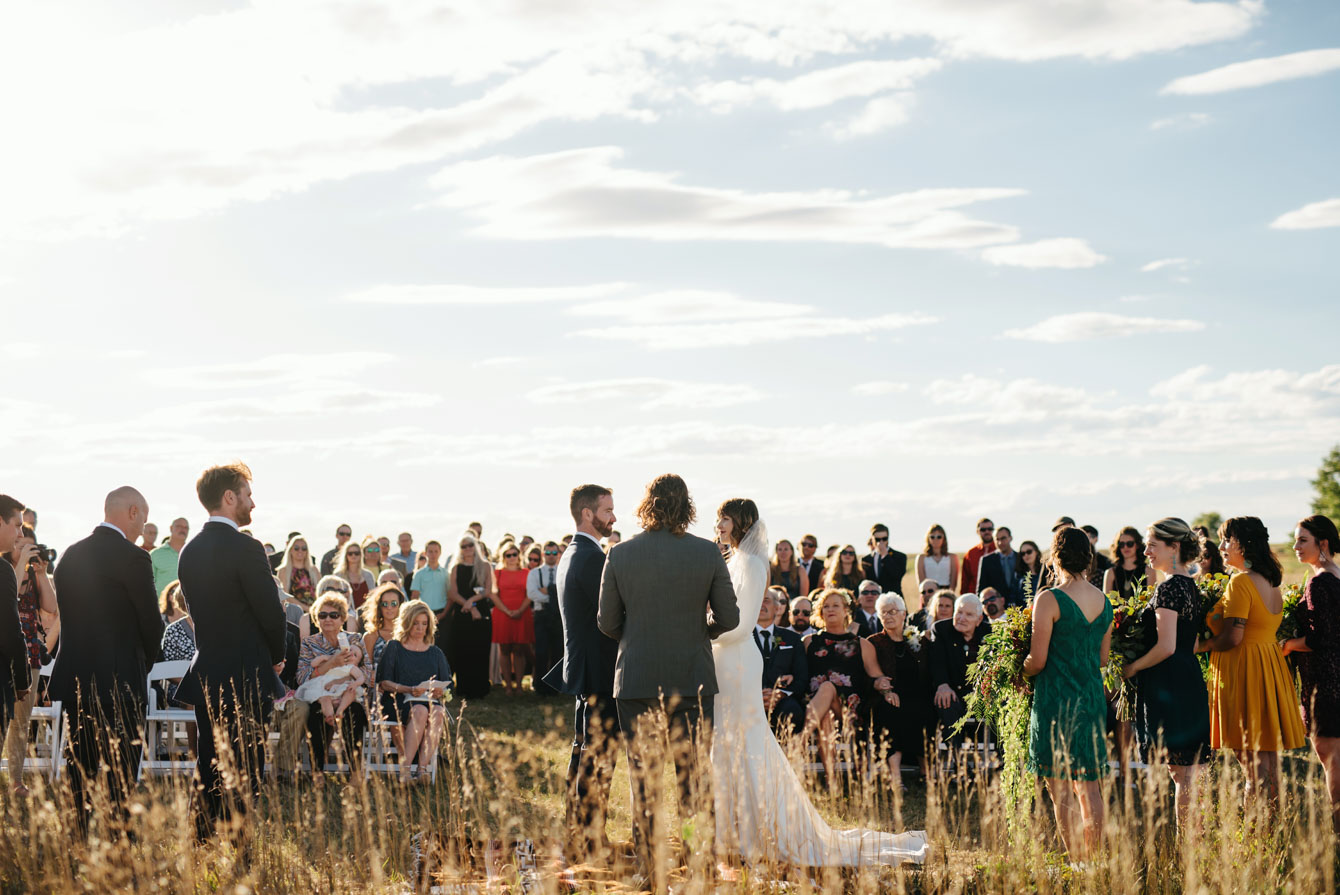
(664, 595)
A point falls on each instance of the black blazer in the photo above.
(111, 632)
(869, 627)
(589, 656)
(892, 568)
(816, 573)
(14, 676)
(950, 654)
(239, 623)
(992, 574)
(788, 657)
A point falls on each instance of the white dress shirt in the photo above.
(542, 576)
(225, 520)
(113, 528)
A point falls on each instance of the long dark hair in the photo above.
(1118, 559)
(1254, 541)
(666, 505)
(1021, 567)
(1320, 527)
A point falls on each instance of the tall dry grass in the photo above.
(502, 779)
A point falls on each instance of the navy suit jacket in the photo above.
(239, 623)
(589, 656)
(993, 575)
(788, 657)
(111, 632)
(892, 568)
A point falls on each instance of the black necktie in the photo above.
(763, 642)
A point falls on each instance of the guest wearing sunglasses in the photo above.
(541, 587)
(379, 614)
(972, 560)
(375, 559)
(321, 653)
(936, 562)
(1128, 569)
(332, 557)
(513, 620)
(1028, 572)
(813, 567)
(350, 567)
(845, 573)
(298, 573)
(470, 588)
(884, 565)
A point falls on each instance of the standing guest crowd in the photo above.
(324, 648)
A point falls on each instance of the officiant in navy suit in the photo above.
(785, 669)
(587, 672)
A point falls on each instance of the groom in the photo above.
(664, 595)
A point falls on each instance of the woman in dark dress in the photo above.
(1027, 573)
(1128, 568)
(414, 672)
(845, 573)
(842, 668)
(469, 618)
(1171, 703)
(899, 716)
(1318, 648)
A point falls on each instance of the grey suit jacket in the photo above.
(655, 595)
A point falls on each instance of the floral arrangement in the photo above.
(912, 634)
(1291, 621)
(1002, 695)
(1212, 589)
(1133, 632)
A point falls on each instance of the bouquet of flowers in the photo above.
(1212, 589)
(1291, 621)
(1132, 635)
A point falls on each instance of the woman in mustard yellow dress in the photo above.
(1253, 705)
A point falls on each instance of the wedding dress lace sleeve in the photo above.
(749, 576)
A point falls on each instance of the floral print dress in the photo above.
(836, 659)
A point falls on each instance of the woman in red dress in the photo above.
(514, 622)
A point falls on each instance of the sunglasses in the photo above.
(330, 615)
(344, 534)
(374, 550)
(848, 553)
(390, 604)
(1124, 544)
(810, 544)
(467, 546)
(511, 555)
(937, 537)
(928, 590)
(354, 553)
(883, 540)
(870, 593)
(985, 530)
(551, 553)
(1028, 552)
(299, 549)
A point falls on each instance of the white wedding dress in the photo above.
(762, 810)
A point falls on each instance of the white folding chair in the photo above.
(46, 741)
(166, 747)
(380, 755)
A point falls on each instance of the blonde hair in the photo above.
(483, 568)
(843, 596)
(172, 596)
(502, 559)
(409, 614)
(330, 598)
(370, 612)
(285, 570)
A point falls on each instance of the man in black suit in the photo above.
(15, 678)
(999, 570)
(954, 648)
(587, 672)
(329, 560)
(865, 616)
(785, 668)
(239, 639)
(111, 634)
(884, 566)
(813, 566)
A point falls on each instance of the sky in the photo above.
(905, 261)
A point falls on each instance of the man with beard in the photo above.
(587, 672)
(239, 636)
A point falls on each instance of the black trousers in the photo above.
(548, 646)
(232, 727)
(787, 714)
(109, 732)
(689, 725)
(351, 726)
(595, 740)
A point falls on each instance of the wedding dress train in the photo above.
(762, 809)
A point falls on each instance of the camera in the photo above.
(44, 554)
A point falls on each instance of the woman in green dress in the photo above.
(1072, 630)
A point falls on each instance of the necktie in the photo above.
(762, 637)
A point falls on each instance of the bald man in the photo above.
(110, 637)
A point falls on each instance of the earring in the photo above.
(1247, 564)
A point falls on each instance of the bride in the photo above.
(762, 810)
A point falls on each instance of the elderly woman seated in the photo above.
(414, 672)
(899, 715)
(320, 654)
(957, 640)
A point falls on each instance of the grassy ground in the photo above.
(502, 779)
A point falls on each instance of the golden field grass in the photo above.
(502, 780)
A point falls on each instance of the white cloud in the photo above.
(875, 389)
(878, 115)
(1257, 72)
(687, 306)
(1010, 397)
(648, 393)
(459, 294)
(1098, 325)
(1065, 253)
(581, 193)
(1162, 263)
(818, 88)
(275, 370)
(1185, 121)
(1310, 217)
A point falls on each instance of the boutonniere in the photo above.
(777, 641)
(912, 635)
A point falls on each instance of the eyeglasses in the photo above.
(847, 553)
(1124, 544)
(870, 593)
(810, 544)
(1028, 552)
(928, 590)
(984, 529)
(467, 546)
(329, 615)
(299, 549)
(551, 553)
(353, 553)
(511, 555)
(937, 537)
(390, 604)
(373, 550)
(883, 540)
(344, 534)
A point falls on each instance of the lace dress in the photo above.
(1172, 706)
(1320, 669)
